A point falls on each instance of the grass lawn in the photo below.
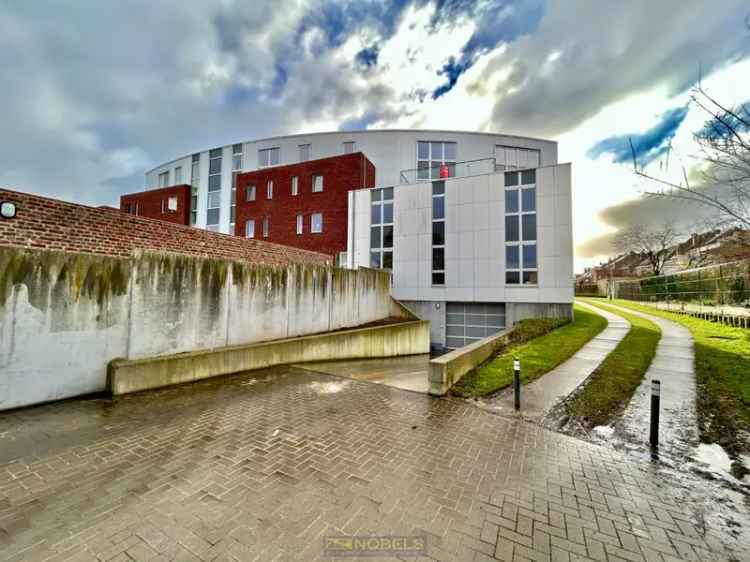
(538, 355)
(611, 386)
(722, 368)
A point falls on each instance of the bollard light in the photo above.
(517, 383)
(7, 210)
(655, 398)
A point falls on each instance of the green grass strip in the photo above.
(722, 370)
(538, 356)
(612, 384)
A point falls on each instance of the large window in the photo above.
(300, 224)
(438, 233)
(295, 185)
(521, 266)
(214, 189)
(250, 193)
(195, 180)
(316, 223)
(317, 183)
(164, 179)
(305, 152)
(269, 157)
(381, 228)
(514, 158)
(432, 156)
(350, 147)
(236, 170)
(250, 228)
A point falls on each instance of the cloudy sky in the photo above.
(94, 93)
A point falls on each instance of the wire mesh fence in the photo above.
(726, 284)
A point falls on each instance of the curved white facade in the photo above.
(391, 151)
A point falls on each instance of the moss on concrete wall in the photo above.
(47, 273)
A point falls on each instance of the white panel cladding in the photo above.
(475, 240)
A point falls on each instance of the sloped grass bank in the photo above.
(722, 369)
(610, 387)
(541, 345)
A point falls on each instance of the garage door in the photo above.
(468, 322)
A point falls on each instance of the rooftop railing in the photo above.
(447, 170)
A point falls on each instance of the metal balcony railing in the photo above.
(448, 170)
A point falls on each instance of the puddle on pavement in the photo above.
(331, 387)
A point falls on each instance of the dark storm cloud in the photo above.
(644, 147)
(586, 55)
(647, 210)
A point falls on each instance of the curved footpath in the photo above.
(538, 397)
(673, 365)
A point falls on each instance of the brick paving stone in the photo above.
(225, 470)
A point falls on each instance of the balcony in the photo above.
(451, 170)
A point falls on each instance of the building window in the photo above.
(265, 227)
(521, 265)
(250, 228)
(164, 179)
(438, 233)
(195, 179)
(514, 158)
(300, 224)
(305, 152)
(295, 185)
(269, 189)
(178, 175)
(317, 183)
(250, 193)
(316, 223)
(350, 147)
(169, 205)
(236, 170)
(269, 157)
(214, 189)
(381, 228)
(434, 156)
(132, 208)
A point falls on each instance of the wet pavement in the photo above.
(406, 373)
(264, 465)
(673, 365)
(539, 397)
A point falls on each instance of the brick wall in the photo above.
(340, 174)
(57, 225)
(153, 204)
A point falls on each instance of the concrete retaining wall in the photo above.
(406, 338)
(64, 316)
(447, 370)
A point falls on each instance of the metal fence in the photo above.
(726, 284)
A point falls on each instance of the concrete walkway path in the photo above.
(674, 366)
(538, 397)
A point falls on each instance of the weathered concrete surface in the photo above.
(406, 338)
(406, 373)
(64, 316)
(447, 370)
(674, 366)
(263, 465)
(540, 396)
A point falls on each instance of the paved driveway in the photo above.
(262, 466)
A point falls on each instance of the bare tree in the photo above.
(723, 181)
(653, 243)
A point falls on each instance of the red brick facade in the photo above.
(340, 175)
(154, 204)
(57, 225)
